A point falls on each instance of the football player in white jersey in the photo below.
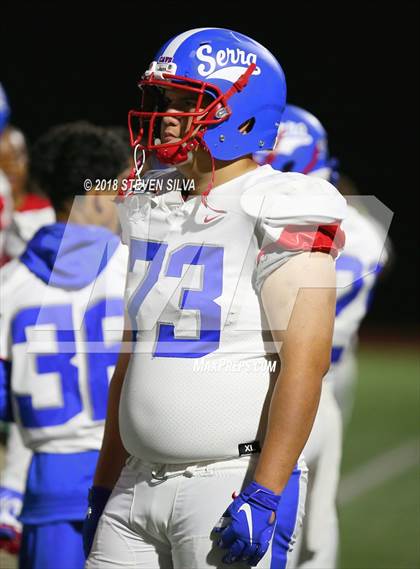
(11, 486)
(61, 324)
(302, 146)
(200, 408)
(30, 210)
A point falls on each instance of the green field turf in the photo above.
(381, 528)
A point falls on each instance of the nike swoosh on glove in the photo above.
(97, 499)
(10, 528)
(245, 527)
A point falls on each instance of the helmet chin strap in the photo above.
(177, 154)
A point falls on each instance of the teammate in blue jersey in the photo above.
(302, 146)
(61, 324)
(201, 452)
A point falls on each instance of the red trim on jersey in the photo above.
(33, 201)
(315, 238)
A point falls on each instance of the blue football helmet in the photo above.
(4, 109)
(238, 87)
(301, 146)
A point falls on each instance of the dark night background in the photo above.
(354, 65)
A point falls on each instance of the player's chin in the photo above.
(170, 140)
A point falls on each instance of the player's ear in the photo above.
(105, 210)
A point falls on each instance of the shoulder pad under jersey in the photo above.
(292, 198)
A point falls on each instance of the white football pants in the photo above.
(161, 516)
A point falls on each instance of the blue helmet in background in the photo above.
(240, 92)
(4, 109)
(301, 146)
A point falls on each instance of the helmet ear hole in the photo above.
(247, 126)
(288, 166)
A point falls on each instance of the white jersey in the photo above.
(61, 342)
(201, 376)
(363, 257)
(23, 226)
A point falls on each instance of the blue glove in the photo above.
(97, 499)
(247, 526)
(10, 527)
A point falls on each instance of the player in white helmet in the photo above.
(199, 409)
(61, 322)
(302, 146)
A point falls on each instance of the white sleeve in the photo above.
(295, 214)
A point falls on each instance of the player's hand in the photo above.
(97, 499)
(10, 527)
(247, 526)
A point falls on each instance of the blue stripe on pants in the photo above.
(286, 521)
